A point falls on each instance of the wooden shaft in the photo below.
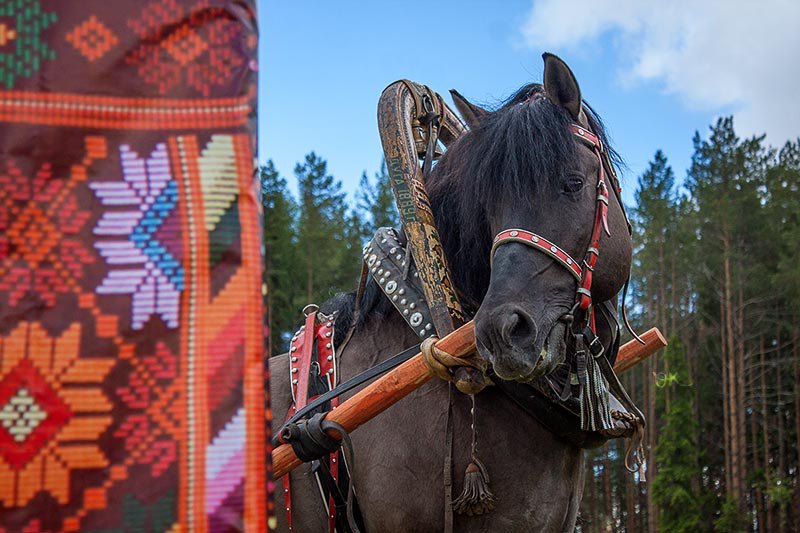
(633, 352)
(401, 381)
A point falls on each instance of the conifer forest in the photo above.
(716, 268)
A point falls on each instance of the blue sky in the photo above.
(323, 65)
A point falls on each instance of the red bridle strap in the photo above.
(540, 243)
(584, 293)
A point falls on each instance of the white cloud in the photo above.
(736, 55)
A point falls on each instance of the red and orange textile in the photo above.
(131, 326)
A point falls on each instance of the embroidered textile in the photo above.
(131, 322)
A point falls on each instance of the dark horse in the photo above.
(517, 167)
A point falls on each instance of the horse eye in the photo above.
(573, 184)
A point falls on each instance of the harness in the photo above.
(313, 371)
(426, 299)
(393, 271)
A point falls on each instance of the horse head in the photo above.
(522, 166)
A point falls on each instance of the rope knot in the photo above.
(468, 372)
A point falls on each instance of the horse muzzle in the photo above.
(509, 338)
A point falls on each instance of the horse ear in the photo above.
(471, 113)
(561, 86)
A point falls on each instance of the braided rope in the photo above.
(443, 365)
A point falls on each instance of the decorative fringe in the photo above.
(476, 498)
(595, 409)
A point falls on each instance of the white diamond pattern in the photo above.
(21, 414)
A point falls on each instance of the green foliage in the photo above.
(730, 520)
(715, 266)
(377, 199)
(328, 235)
(280, 274)
(677, 452)
(655, 222)
(313, 244)
(779, 492)
(783, 193)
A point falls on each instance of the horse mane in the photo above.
(513, 154)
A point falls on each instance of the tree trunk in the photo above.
(781, 447)
(652, 468)
(726, 402)
(608, 497)
(796, 372)
(735, 491)
(741, 392)
(758, 492)
(673, 314)
(765, 433)
(630, 488)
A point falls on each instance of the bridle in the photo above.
(583, 271)
(590, 363)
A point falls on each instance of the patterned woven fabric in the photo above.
(131, 328)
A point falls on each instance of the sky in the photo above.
(655, 71)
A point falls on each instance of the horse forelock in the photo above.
(515, 153)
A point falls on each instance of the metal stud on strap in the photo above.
(540, 243)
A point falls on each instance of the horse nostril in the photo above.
(518, 329)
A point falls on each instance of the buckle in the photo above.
(596, 347)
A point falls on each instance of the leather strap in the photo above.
(348, 385)
(448, 463)
(300, 352)
(534, 240)
(397, 276)
(317, 332)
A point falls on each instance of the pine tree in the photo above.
(654, 217)
(322, 232)
(280, 254)
(350, 252)
(726, 181)
(783, 208)
(677, 451)
(377, 200)
(783, 205)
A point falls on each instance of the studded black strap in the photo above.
(397, 276)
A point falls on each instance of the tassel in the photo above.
(595, 410)
(476, 498)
